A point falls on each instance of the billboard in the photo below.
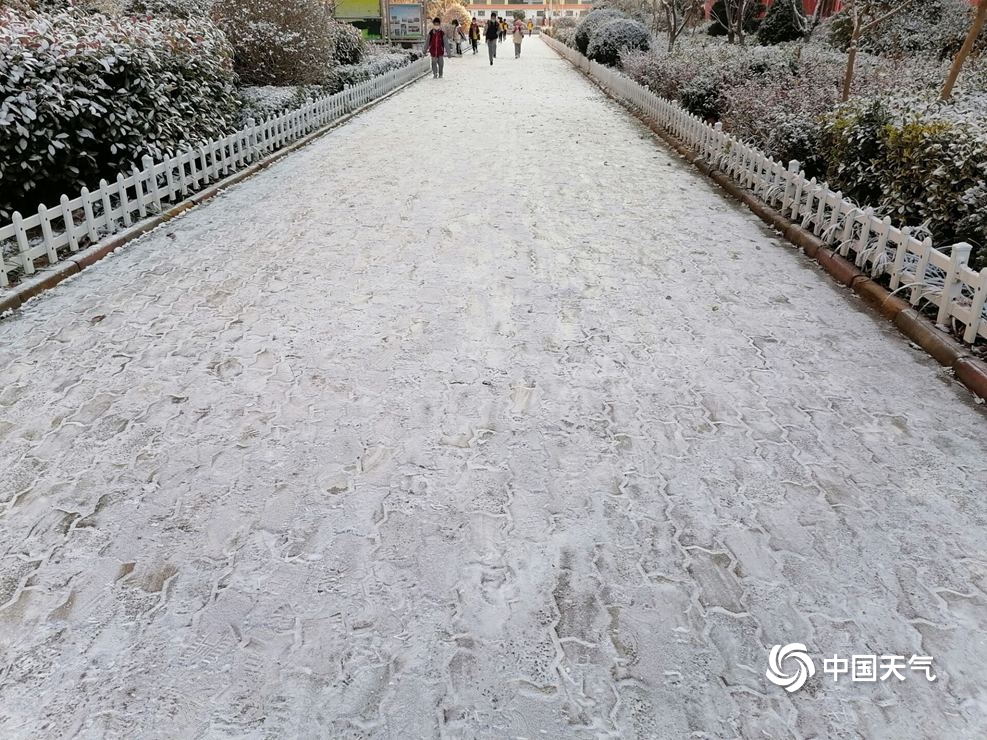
(357, 9)
(405, 22)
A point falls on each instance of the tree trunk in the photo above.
(954, 72)
(813, 23)
(851, 60)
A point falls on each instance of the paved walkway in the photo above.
(496, 425)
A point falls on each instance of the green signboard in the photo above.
(357, 9)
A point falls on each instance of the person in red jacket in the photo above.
(437, 48)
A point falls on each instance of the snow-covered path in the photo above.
(478, 426)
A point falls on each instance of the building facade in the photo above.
(542, 13)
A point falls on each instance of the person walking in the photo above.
(518, 38)
(437, 48)
(491, 34)
(457, 37)
(474, 34)
(531, 27)
(503, 29)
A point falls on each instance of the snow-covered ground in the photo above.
(400, 440)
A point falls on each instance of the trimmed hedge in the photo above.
(924, 162)
(588, 25)
(82, 96)
(611, 39)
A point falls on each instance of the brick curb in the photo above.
(50, 277)
(943, 348)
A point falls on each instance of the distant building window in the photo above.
(569, 13)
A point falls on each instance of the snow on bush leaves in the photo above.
(286, 42)
(612, 39)
(593, 20)
(785, 21)
(373, 66)
(931, 26)
(923, 161)
(82, 96)
(169, 8)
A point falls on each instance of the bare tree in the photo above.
(674, 16)
(864, 16)
(976, 26)
(815, 20)
(738, 14)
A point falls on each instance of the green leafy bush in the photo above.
(719, 17)
(82, 96)
(924, 162)
(785, 21)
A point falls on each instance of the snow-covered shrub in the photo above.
(348, 44)
(169, 8)
(455, 11)
(564, 31)
(82, 96)
(590, 22)
(720, 18)
(566, 36)
(920, 160)
(936, 27)
(972, 228)
(785, 21)
(779, 112)
(267, 101)
(286, 42)
(565, 22)
(373, 66)
(612, 39)
(107, 7)
(697, 75)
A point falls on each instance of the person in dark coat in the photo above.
(492, 34)
(437, 48)
(474, 34)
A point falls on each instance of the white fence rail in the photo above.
(911, 264)
(56, 233)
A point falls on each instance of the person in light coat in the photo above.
(518, 38)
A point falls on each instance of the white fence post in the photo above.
(977, 310)
(951, 288)
(251, 140)
(87, 208)
(48, 240)
(124, 205)
(68, 223)
(23, 247)
(920, 270)
(152, 183)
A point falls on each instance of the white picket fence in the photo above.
(912, 265)
(56, 233)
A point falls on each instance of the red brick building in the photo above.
(828, 6)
